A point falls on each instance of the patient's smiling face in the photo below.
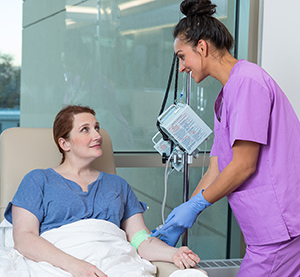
(85, 140)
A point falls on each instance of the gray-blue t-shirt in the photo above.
(57, 201)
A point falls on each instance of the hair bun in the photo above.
(197, 7)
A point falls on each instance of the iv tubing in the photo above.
(167, 173)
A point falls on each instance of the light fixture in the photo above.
(136, 31)
(80, 9)
(132, 4)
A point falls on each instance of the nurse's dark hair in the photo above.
(63, 123)
(199, 23)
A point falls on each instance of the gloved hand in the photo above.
(182, 217)
(169, 236)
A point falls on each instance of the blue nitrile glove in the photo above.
(183, 216)
(169, 236)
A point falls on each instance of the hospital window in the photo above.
(115, 56)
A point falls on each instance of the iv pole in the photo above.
(186, 164)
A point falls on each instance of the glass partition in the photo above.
(112, 55)
(10, 63)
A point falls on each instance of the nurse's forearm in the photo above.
(210, 175)
(227, 181)
(242, 166)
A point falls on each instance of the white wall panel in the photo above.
(280, 49)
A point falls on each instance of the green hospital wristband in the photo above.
(138, 238)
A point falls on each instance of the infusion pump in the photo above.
(184, 129)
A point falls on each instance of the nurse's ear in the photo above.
(202, 47)
(64, 144)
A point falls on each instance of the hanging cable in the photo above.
(168, 86)
(176, 79)
(167, 92)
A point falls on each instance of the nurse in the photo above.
(255, 158)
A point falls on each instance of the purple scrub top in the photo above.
(252, 107)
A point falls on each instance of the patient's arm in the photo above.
(32, 246)
(153, 249)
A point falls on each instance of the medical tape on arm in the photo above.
(138, 238)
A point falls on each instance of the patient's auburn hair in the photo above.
(63, 123)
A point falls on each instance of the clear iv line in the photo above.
(167, 173)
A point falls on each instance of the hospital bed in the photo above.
(24, 149)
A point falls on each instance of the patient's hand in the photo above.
(185, 258)
(84, 269)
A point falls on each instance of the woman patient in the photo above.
(50, 198)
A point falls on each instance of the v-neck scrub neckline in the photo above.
(75, 186)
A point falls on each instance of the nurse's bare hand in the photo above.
(80, 268)
(185, 258)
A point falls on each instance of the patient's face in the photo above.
(85, 140)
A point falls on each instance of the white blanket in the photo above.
(97, 241)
